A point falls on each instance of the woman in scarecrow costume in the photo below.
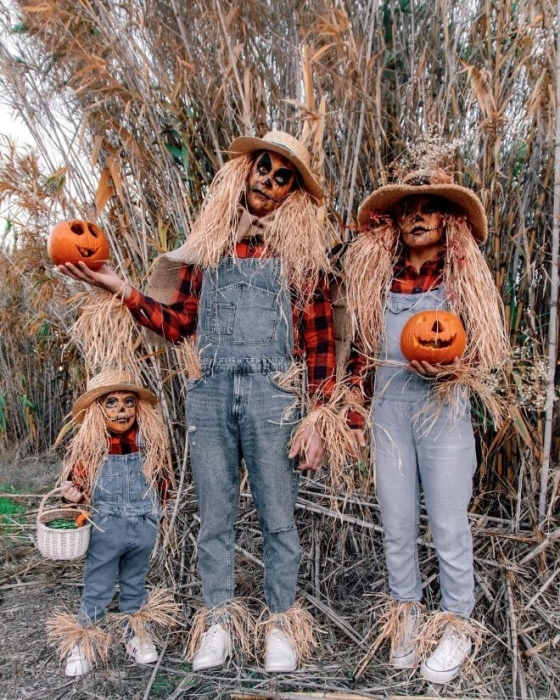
(247, 296)
(418, 251)
(118, 461)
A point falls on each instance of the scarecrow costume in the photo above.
(421, 434)
(247, 299)
(118, 462)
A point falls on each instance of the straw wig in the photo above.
(106, 383)
(427, 182)
(287, 146)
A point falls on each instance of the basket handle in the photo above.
(51, 493)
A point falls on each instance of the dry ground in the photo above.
(32, 587)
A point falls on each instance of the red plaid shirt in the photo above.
(407, 279)
(313, 327)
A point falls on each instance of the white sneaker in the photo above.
(280, 655)
(404, 653)
(142, 651)
(76, 663)
(214, 650)
(445, 662)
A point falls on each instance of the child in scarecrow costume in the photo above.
(118, 462)
(418, 251)
(248, 292)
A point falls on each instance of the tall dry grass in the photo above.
(133, 107)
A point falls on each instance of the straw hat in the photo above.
(422, 182)
(105, 383)
(285, 145)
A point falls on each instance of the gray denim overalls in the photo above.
(415, 443)
(237, 411)
(125, 513)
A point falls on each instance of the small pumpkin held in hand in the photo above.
(75, 241)
(434, 336)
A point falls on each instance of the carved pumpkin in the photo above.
(77, 241)
(437, 337)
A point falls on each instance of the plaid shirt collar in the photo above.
(407, 279)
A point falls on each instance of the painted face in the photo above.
(119, 408)
(271, 179)
(421, 221)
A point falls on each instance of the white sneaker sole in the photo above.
(439, 677)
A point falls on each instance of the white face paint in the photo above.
(119, 409)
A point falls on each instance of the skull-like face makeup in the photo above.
(271, 179)
(421, 221)
(119, 409)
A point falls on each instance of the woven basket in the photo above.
(61, 544)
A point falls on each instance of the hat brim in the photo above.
(243, 145)
(84, 401)
(386, 198)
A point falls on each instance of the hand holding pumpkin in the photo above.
(437, 371)
(104, 278)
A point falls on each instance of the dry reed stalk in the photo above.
(64, 632)
(298, 625)
(158, 614)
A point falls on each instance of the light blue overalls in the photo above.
(417, 442)
(125, 514)
(238, 411)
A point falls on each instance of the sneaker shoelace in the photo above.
(210, 639)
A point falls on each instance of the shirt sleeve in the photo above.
(176, 320)
(318, 337)
(360, 377)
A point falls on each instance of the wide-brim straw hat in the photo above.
(287, 146)
(105, 383)
(421, 182)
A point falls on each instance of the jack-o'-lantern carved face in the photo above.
(437, 337)
(119, 409)
(77, 241)
(271, 179)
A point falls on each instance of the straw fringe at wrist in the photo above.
(234, 615)
(105, 333)
(329, 421)
(298, 625)
(159, 613)
(64, 632)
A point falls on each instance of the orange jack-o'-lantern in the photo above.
(77, 241)
(437, 337)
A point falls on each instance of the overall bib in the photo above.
(418, 442)
(236, 411)
(126, 513)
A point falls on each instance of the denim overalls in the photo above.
(237, 411)
(434, 447)
(125, 517)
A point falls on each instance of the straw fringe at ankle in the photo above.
(297, 623)
(234, 616)
(434, 626)
(64, 632)
(159, 613)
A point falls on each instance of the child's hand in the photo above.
(71, 493)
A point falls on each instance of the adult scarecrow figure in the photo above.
(418, 251)
(118, 462)
(250, 287)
